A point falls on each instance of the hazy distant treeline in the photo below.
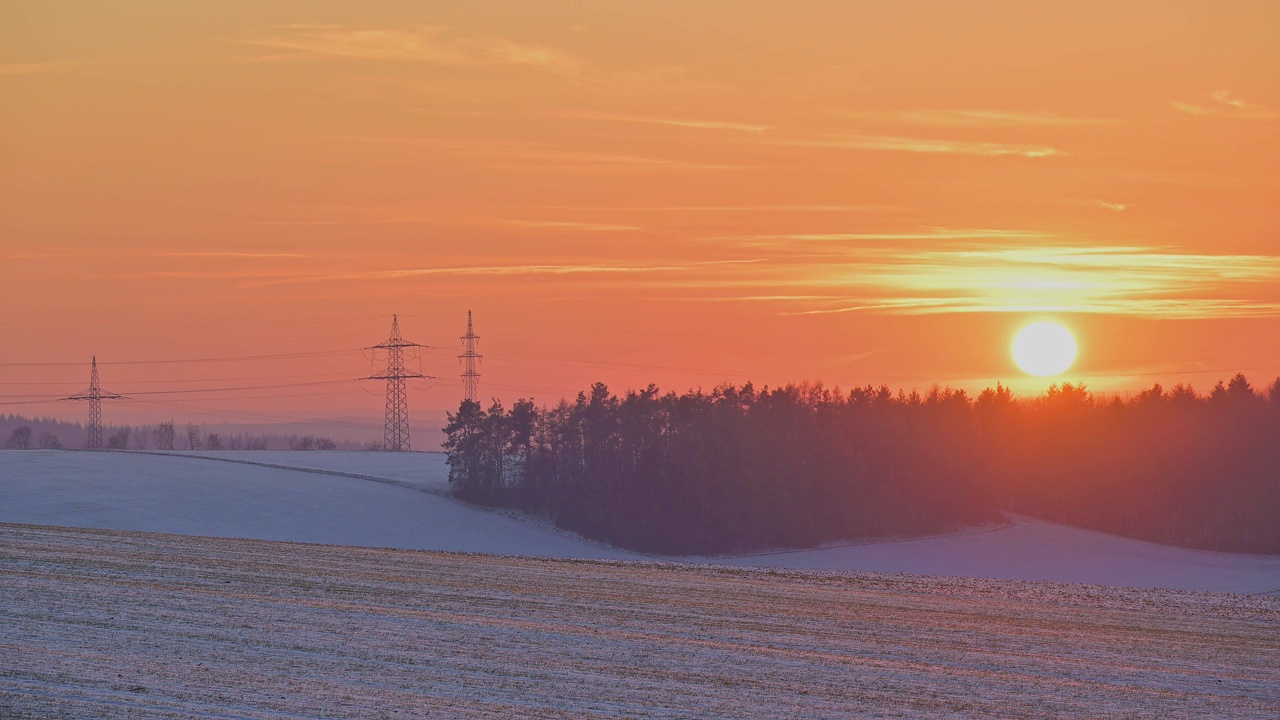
(18, 432)
(740, 468)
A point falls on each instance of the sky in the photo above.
(681, 193)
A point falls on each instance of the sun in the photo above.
(1044, 348)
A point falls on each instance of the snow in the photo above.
(399, 500)
(1030, 549)
(195, 496)
(115, 625)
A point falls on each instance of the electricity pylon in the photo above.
(395, 436)
(470, 358)
(95, 396)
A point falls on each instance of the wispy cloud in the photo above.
(1103, 204)
(791, 240)
(570, 226)
(1125, 280)
(974, 118)
(331, 215)
(499, 271)
(1190, 109)
(892, 143)
(27, 68)
(736, 208)
(160, 254)
(1001, 277)
(543, 158)
(1224, 97)
(679, 122)
(230, 254)
(429, 44)
(1224, 105)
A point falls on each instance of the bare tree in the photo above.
(256, 443)
(164, 435)
(119, 439)
(193, 437)
(141, 436)
(324, 443)
(20, 438)
(49, 441)
(213, 441)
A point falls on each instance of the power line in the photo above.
(255, 397)
(238, 358)
(262, 416)
(187, 380)
(221, 389)
(244, 387)
(220, 323)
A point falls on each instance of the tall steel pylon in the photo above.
(95, 396)
(395, 436)
(470, 358)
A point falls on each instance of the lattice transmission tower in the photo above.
(395, 435)
(95, 396)
(470, 359)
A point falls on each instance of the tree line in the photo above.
(25, 434)
(737, 468)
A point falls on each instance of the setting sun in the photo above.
(1044, 348)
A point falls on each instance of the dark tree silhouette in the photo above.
(165, 435)
(740, 468)
(20, 438)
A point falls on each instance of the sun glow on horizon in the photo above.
(1044, 349)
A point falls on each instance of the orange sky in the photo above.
(683, 193)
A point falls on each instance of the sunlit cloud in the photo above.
(1126, 280)
(1224, 97)
(974, 118)
(511, 270)
(158, 254)
(331, 215)
(428, 44)
(891, 143)
(246, 255)
(543, 158)
(220, 274)
(1190, 109)
(1001, 277)
(790, 240)
(680, 123)
(736, 208)
(1103, 204)
(1224, 105)
(569, 226)
(1185, 309)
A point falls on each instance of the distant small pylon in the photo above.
(95, 396)
(470, 359)
(395, 436)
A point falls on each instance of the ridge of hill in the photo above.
(400, 500)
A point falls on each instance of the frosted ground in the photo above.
(118, 625)
(98, 620)
(399, 500)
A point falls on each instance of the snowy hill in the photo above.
(400, 501)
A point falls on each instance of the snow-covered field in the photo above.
(109, 624)
(195, 496)
(399, 500)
